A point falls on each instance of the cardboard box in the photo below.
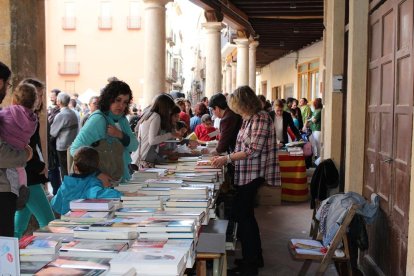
(212, 237)
(268, 195)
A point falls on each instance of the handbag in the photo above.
(111, 161)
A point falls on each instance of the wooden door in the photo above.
(388, 135)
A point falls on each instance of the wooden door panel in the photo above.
(387, 86)
(389, 148)
(375, 40)
(388, 32)
(405, 24)
(374, 88)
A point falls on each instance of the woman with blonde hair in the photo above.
(256, 163)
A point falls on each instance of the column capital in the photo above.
(253, 44)
(156, 3)
(212, 26)
(241, 42)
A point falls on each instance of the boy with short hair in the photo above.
(83, 183)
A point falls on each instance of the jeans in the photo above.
(243, 211)
(54, 178)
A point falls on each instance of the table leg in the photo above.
(201, 268)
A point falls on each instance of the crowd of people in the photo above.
(249, 130)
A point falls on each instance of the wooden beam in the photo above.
(301, 17)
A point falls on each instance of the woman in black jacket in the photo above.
(37, 204)
(282, 120)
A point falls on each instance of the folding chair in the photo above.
(329, 255)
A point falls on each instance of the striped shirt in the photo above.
(257, 139)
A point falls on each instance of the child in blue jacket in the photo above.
(83, 183)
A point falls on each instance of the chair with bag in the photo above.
(335, 215)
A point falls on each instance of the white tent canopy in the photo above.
(85, 96)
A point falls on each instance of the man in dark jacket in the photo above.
(230, 123)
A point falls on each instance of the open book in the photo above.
(310, 247)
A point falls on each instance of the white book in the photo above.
(188, 202)
(157, 262)
(188, 196)
(189, 191)
(97, 249)
(187, 209)
(86, 216)
(131, 271)
(187, 246)
(307, 246)
(129, 187)
(140, 198)
(168, 235)
(38, 257)
(135, 211)
(143, 204)
(166, 225)
(103, 234)
(97, 204)
(55, 231)
(152, 191)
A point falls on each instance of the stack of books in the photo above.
(97, 249)
(149, 173)
(87, 216)
(295, 151)
(151, 262)
(76, 266)
(34, 248)
(99, 204)
(154, 202)
(154, 228)
(119, 228)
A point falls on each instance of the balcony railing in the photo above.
(134, 22)
(172, 75)
(69, 23)
(105, 22)
(69, 68)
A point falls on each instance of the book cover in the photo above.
(101, 249)
(9, 256)
(34, 245)
(148, 243)
(86, 216)
(151, 261)
(31, 267)
(66, 271)
(57, 231)
(166, 225)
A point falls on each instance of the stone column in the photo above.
(252, 64)
(25, 55)
(154, 49)
(334, 64)
(356, 98)
(242, 61)
(233, 76)
(213, 57)
(229, 78)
